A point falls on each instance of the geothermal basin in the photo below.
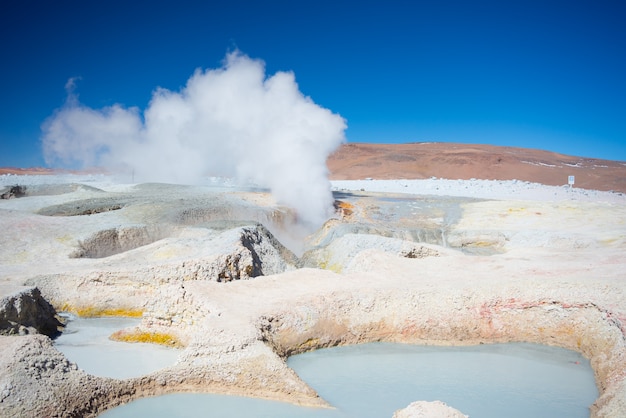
(87, 342)
(373, 380)
(219, 273)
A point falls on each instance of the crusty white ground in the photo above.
(482, 189)
(558, 280)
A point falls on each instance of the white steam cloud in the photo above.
(231, 121)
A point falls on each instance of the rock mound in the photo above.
(130, 281)
(244, 253)
(118, 240)
(339, 254)
(25, 311)
(423, 409)
(18, 190)
(36, 380)
(84, 207)
(13, 192)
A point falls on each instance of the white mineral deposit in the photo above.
(223, 272)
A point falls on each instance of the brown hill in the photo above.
(26, 171)
(421, 160)
(44, 171)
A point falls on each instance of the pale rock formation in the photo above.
(338, 255)
(38, 381)
(24, 311)
(108, 242)
(12, 192)
(120, 282)
(424, 409)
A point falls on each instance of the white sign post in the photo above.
(570, 181)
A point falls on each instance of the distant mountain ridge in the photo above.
(44, 171)
(27, 171)
(420, 160)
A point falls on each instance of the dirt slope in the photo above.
(463, 161)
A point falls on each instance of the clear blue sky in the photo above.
(538, 74)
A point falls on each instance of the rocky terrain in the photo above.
(221, 272)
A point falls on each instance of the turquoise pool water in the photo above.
(374, 380)
(85, 341)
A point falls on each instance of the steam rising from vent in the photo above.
(232, 121)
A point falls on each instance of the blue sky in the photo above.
(537, 74)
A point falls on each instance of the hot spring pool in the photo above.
(374, 380)
(85, 341)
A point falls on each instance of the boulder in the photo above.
(25, 311)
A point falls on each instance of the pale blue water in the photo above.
(374, 380)
(501, 380)
(85, 341)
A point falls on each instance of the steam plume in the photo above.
(231, 121)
